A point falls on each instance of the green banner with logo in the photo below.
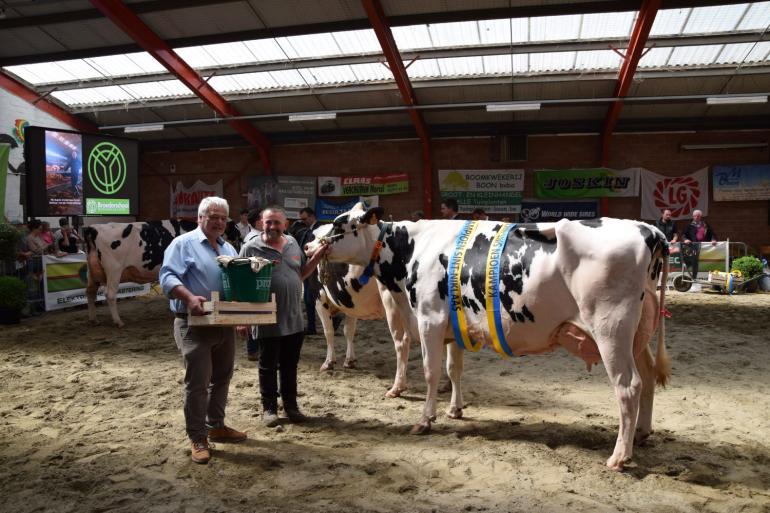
(586, 183)
(5, 151)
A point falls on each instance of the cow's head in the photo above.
(351, 236)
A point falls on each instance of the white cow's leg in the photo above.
(619, 361)
(113, 283)
(646, 367)
(431, 337)
(446, 386)
(349, 329)
(91, 291)
(401, 341)
(454, 369)
(326, 321)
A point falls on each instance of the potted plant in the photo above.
(13, 299)
(749, 266)
(9, 241)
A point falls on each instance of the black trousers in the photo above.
(279, 356)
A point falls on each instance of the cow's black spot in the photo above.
(592, 223)
(520, 250)
(157, 238)
(649, 237)
(475, 269)
(411, 283)
(529, 315)
(126, 231)
(402, 248)
(326, 305)
(642, 298)
(335, 285)
(187, 226)
(115, 244)
(90, 234)
(443, 285)
(356, 284)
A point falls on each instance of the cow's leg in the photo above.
(618, 359)
(454, 369)
(113, 283)
(349, 329)
(328, 326)
(431, 338)
(646, 367)
(91, 289)
(401, 340)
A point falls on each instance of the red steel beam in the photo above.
(382, 29)
(639, 35)
(135, 28)
(15, 87)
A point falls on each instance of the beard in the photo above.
(273, 235)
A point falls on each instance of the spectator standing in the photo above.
(280, 344)
(304, 235)
(188, 275)
(417, 215)
(67, 239)
(667, 226)
(243, 225)
(479, 214)
(449, 208)
(695, 232)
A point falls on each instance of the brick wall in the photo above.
(740, 221)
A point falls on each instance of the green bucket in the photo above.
(240, 283)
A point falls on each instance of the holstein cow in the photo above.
(120, 252)
(589, 286)
(338, 290)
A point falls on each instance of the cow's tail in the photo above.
(662, 361)
(89, 235)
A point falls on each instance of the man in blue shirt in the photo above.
(188, 275)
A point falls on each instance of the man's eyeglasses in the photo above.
(217, 218)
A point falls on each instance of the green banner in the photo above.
(5, 151)
(107, 206)
(586, 183)
(497, 191)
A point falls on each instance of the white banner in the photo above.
(185, 200)
(681, 194)
(65, 279)
(497, 191)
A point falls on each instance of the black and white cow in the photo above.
(120, 252)
(589, 286)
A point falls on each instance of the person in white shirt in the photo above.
(243, 225)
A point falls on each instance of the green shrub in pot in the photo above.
(13, 293)
(749, 266)
(9, 241)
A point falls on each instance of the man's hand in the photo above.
(195, 305)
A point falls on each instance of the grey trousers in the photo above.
(209, 356)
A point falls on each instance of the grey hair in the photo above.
(212, 201)
(697, 212)
(276, 209)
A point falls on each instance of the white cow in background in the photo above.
(589, 286)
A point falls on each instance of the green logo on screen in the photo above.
(107, 168)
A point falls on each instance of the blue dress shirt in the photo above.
(191, 261)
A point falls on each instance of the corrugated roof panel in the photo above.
(669, 22)
(327, 75)
(371, 71)
(227, 54)
(744, 52)
(464, 33)
(354, 42)
(196, 56)
(80, 69)
(43, 73)
(162, 89)
(227, 84)
(757, 18)
(117, 65)
(266, 50)
(461, 66)
(288, 78)
(554, 28)
(552, 61)
(256, 81)
(93, 95)
(145, 61)
(605, 25)
(655, 58)
(497, 64)
(694, 55)
(310, 45)
(718, 18)
(495, 31)
(597, 60)
(424, 68)
(412, 37)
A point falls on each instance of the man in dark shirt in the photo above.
(667, 226)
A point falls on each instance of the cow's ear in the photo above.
(373, 215)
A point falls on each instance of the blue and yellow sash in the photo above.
(492, 289)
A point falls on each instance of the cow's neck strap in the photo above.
(369, 269)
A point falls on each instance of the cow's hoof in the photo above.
(616, 464)
(641, 437)
(350, 364)
(119, 324)
(420, 429)
(454, 413)
(395, 392)
(327, 366)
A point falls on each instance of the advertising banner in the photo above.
(550, 211)
(681, 194)
(586, 183)
(363, 185)
(497, 191)
(292, 193)
(741, 183)
(185, 200)
(327, 210)
(65, 279)
(710, 258)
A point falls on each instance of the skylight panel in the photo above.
(464, 33)
(424, 68)
(497, 64)
(554, 28)
(354, 42)
(116, 65)
(287, 78)
(227, 84)
(551, 61)
(607, 25)
(327, 75)
(597, 60)
(461, 66)
(266, 50)
(757, 17)
(493, 32)
(228, 54)
(656, 58)
(718, 18)
(310, 45)
(669, 22)
(160, 89)
(371, 72)
(412, 37)
(744, 52)
(93, 95)
(197, 57)
(53, 72)
(257, 81)
(694, 55)
(146, 62)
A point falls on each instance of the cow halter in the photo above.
(369, 269)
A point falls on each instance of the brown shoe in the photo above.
(226, 434)
(200, 451)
